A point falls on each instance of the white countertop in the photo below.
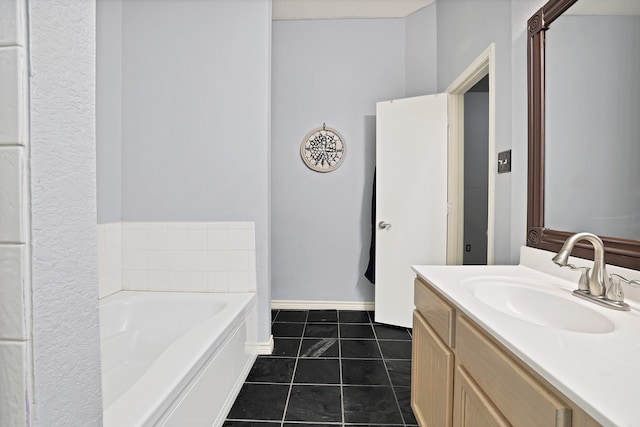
(600, 372)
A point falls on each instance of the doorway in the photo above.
(471, 183)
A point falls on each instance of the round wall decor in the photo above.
(323, 149)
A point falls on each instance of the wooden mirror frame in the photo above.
(618, 251)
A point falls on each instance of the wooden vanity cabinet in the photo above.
(463, 377)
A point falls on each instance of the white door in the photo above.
(411, 199)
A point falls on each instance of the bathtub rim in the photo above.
(162, 386)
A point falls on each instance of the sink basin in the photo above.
(539, 303)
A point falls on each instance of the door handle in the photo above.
(384, 225)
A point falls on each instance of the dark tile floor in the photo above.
(328, 368)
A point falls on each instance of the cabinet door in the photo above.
(471, 407)
(431, 376)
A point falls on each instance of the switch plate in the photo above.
(504, 161)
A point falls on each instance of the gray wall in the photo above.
(330, 71)
(593, 126)
(476, 170)
(195, 117)
(108, 109)
(421, 52)
(521, 11)
(465, 29)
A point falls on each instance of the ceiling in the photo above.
(344, 9)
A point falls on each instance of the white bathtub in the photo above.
(173, 358)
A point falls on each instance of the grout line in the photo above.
(293, 375)
(340, 368)
(393, 390)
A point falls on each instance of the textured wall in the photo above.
(331, 71)
(195, 117)
(109, 109)
(66, 346)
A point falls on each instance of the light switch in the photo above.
(504, 161)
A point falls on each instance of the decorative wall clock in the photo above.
(323, 149)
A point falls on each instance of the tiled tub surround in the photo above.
(177, 370)
(15, 281)
(328, 368)
(182, 257)
(110, 258)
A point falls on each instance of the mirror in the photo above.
(584, 127)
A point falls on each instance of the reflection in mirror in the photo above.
(592, 122)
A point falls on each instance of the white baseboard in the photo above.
(265, 348)
(321, 305)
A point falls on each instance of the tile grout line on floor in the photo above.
(295, 367)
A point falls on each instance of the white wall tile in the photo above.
(135, 260)
(158, 260)
(177, 238)
(158, 280)
(238, 281)
(178, 281)
(197, 260)
(178, 261)
(110, 283)
(196, 225)
(12, 377)
(253, 282)
(135, 238)
(135, 280)
(109, 258)
(102, 239)
(238, 239)
(13, 95)
(198, 281)
(217, 226)
(241, 225)
(238, 261)
(218, 281)
(217, 260)
(12, 23)
(199, 257)
(157, 238)
(11, 292)
(217, 240)
(110, 262)
(197, 239)
(11, 203)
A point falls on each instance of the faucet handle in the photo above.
(615, 292)
(583, 283)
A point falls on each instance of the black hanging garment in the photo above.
(370, 274)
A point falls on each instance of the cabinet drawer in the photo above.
(517, 395)
(436, 311)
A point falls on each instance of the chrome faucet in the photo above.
(595, 285)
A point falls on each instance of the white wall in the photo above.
(108, 109)
(465, 29)
(66, 346)
(421, 52)
(331, 72)
(195, 117)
